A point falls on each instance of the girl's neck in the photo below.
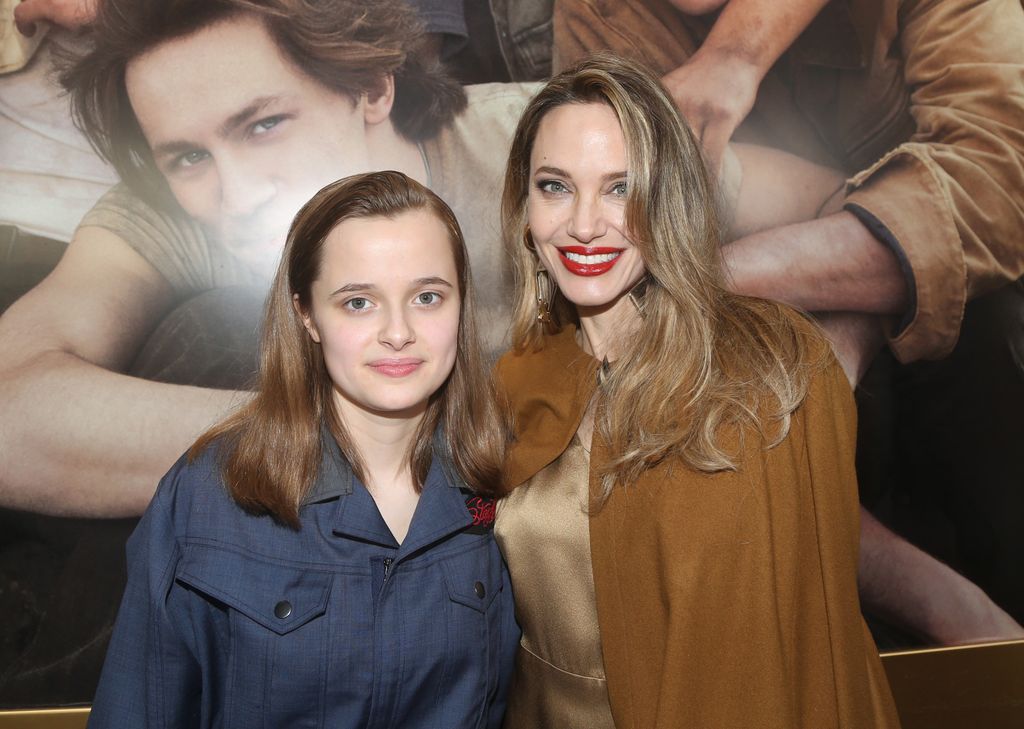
(383, 443)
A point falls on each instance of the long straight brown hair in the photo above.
(270, 449)
(703, 360)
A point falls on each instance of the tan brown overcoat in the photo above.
(726, 599)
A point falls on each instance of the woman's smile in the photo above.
(576, 206)
(588, 261)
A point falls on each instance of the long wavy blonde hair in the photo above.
(702, 360)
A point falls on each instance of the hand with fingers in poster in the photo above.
(716, 87)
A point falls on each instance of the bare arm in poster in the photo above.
(947, 200)
(77, 436)
(715, 90)
(241, 135)
(914, 590)
(831, 265)
(777, 195)
(836, 266)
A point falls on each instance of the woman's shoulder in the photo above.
(531, 366)
(513, 367)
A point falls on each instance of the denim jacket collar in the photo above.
(441, 510)
(335, 477)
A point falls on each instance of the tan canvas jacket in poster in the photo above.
(921, 101)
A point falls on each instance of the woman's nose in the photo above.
(587, 221)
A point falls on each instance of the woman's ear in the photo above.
(379, 100)
(307, 320)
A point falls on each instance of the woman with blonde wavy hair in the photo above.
(681, 527)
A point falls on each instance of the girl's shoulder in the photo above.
(192, 494)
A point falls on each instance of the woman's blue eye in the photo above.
(552, 186)
(620, 189)
(428, 297)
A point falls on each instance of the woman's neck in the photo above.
(604, 330)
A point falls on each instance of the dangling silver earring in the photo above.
(545, 293)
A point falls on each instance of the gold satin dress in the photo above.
(543, 530)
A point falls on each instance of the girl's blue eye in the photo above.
(428, 297)
(357, 304)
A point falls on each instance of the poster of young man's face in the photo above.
(154, 153)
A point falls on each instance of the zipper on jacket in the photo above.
(388, 561)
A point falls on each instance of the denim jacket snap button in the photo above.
(479, 589)
(283, 609)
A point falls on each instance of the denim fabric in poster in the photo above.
(231, 620)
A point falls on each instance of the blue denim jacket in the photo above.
(231, 620)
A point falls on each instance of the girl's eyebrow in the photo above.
(432, 281)
(351, 287)
(423, 281)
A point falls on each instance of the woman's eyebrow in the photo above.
(558, 172)
(548, 170)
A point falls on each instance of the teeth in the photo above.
(591, 260)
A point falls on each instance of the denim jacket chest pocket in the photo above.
(479, 612)
(307, 646)
(275, 657)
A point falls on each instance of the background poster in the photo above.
(111, 363)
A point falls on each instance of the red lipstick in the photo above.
(396, 367)
(588, 260)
